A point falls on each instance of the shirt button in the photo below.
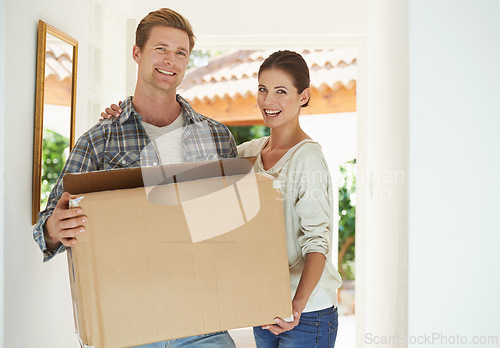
(155, 163)
(124, 162)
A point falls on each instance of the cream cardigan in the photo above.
(306, 186)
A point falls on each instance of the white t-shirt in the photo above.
(167, 140)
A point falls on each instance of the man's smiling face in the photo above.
(163, 61)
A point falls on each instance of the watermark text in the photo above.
(435, 338)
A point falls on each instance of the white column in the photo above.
(382, 249)
(455, 188)
(2, 164)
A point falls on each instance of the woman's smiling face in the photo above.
(278, 99)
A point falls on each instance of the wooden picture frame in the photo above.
(57, 58)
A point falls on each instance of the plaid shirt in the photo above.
(122, 142)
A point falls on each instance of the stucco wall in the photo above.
(454, 186)
(37, 309)
(2, 163)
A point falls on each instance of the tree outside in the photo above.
(347, 219)
(54, 155)
(247, 133)
(199, 58)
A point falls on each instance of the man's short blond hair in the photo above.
(165, 17)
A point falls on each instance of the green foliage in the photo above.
(246, 133)
(200, 58)
(347, 215)
(54, 154)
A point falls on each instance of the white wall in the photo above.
(336, 133)
(34, 291)
(263, 17)
(454, 168)
(2, 164)
(37, 310)
(106, 55)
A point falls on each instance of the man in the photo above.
(156, 126)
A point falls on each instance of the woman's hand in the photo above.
(313, 268)
(113, 111)
(282, 325)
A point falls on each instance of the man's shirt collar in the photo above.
(129, 111)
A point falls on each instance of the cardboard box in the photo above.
(176, 251)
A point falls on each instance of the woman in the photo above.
(297, 162)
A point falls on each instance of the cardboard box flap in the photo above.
(117, 179)
(78, 183)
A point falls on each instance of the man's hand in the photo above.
(64, 225)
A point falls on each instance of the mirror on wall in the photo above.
(55, 110)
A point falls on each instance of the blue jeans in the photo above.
(212, 340)
(315, 329)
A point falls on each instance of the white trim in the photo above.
(385, 210)
(130, 64)
(2, 167)
(361, 186)
(277, 41)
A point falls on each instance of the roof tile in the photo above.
(235, 74)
